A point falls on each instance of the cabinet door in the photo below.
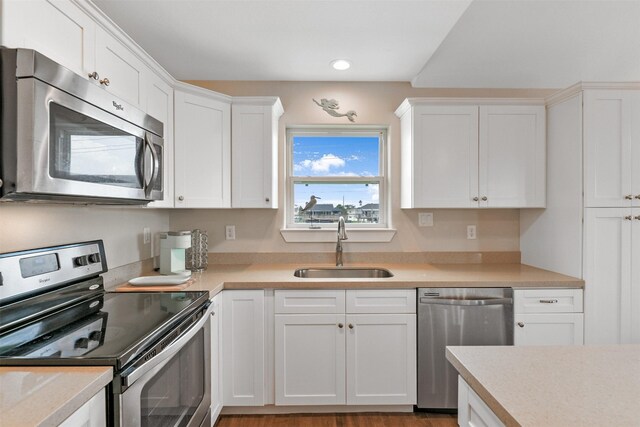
(56, 28)
(254, 143)
(243, 348)
(512, 156)
(607, 275)
(608, 127)
(202, 151)
(123, 70)
(548, 329)
(445, 156)
(216, 353)
(635, 277)
(310, 359)
(472, 411)
(159, 104)
(91, 414)
(381, 359)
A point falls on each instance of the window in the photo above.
(339, 172)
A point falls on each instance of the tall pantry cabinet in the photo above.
(591, 227)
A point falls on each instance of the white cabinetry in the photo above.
(460, 155)
(612, 148)
(202, 148)
(472, 411)
(216, 357)
(243, 347)
(548, 317)
(92, 414)
(330, 356)
(612, 274)
(254, 142)
(56, 28)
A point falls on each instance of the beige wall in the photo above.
(258, 230)
(28, 226)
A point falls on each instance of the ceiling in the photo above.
(432, 43)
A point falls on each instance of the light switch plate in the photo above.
(425, 219)
(230, 232)
(471, 232)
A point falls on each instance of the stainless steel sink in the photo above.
(342, 273)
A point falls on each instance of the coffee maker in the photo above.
(173, 245)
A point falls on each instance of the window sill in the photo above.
(356, 235)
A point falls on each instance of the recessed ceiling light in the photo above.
(341, 64)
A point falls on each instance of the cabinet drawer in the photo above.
(547, 301)
(309, 301)
(381, 301)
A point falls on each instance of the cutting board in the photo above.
(172, 288)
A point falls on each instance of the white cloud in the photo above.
(323, 164)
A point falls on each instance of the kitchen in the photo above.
(259, 239)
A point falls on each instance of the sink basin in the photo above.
(342, 273)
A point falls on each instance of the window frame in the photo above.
(384, 220)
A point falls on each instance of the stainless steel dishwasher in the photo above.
(456, 316)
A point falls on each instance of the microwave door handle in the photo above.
(156, 166)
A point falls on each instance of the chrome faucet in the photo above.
(342, 235)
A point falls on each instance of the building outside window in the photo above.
(344, 169)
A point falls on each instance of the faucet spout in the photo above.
(342, 235)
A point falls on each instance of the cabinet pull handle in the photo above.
(484, 198)
(340, 325)
(548, 301)
(94, 75)
(521, 324)
(475, 199)
(628, 217)
(266, 200)
(350, 326)
(105, 82)
(628, 197)
(181, 198)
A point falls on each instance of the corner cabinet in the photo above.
(254, 145)
(92, 414)
(331, 350)
(472, 153)
(202, 148)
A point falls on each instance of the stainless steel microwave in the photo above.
(63, 138)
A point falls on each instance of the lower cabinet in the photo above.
(548, 317)
(216, 353)
(341, 358)
(92, 414)
(472, 411)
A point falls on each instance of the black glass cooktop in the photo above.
(107, 329)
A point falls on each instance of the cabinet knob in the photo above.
(340, 325)
(350, 326)
(628, 217)
(484, 198)
(521, 324)
(635, 217)
(181, 198)
(638, 197)
(266, 199)
(105, 81)
(628, 197)
(475, 199)
(94, 75)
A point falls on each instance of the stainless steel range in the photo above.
(54, 311)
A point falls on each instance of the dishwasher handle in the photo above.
(466, 302)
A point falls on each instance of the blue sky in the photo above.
(336, 156)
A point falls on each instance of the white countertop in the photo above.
(555, 386)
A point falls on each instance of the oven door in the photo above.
(174, 387)
(69, 147)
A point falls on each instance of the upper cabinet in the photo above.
(202, 148)
(456, 154)
(254, 145)
(612, 148)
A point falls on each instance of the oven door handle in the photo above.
(169, 351)
(156, 165)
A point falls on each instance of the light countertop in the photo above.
(280, 276)
(46, 396)
(555, 386)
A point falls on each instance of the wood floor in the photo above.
(418, 419)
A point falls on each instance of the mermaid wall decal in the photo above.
(331, 106)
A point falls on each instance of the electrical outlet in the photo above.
(146, 235)
(425, 219)
(471, 232)
(230, 232)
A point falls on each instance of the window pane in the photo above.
(356, 202)
(336, 155)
